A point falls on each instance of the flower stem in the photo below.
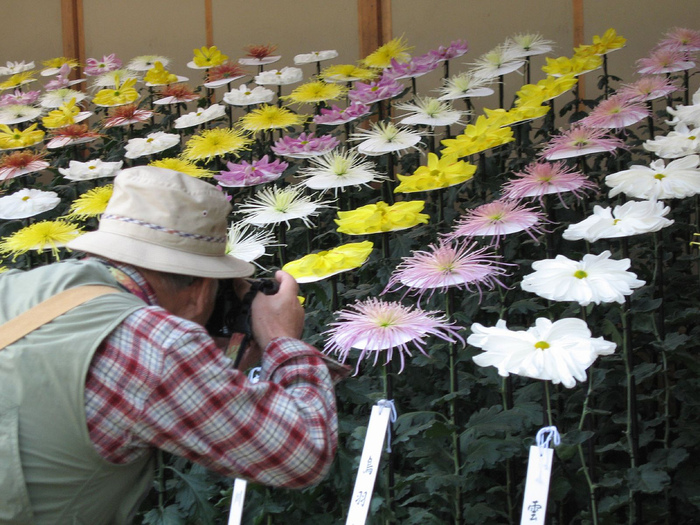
(588, 470)
(389, 395)
(454, 387)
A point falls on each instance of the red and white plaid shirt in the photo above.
(160, 381)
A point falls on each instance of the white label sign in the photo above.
(539, 470)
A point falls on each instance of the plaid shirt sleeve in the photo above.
(159, 380)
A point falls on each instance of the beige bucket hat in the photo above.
(164, 220)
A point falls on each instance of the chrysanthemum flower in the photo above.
(648, 88)
(546, 89)
(497, 219)
(243, 174)
(92, 169)
(315, 56)
(244, 96)
(371, 92)
(71, 135)
(373, 326)
(338, 170)
(630, 218)
(412, 68)
(200, 116)
(61, 81)
(176, 94)
(122, 93)
(27, 202)
(499, 61)
(223, 74)
(335, 115)
(455, 49)
(16, 138)
(678, 180)
(126, 115)
(477, 137)
(680, 142)
(20, 163)
(282, 77)
(317, 266)
(18, 113)
(92, 203)
(385, 137)
(381, 217)
(60, 97)
(20, 97)
(689, 115)
(576, 65)
(159, 76)
(150, 144)
(544, 178)
(114, 78)
(610, 41)
(305, 146)
(428, 111)
(580, 140)
(44, 235)
(395, 49)
(665, 60)
(316, 91)
(559, 351)
(595, 279)
(529, 44)
(440, 172)
(183, 166)
(273, 205)
(616, 112)
(247, 243)
(216, 142)
(681, 38)
(12, 68)
(95, 67)
(206, 57)
(523, 112)
(146, 62)
(15, 81)
(63, 116)
(465, 85)
(270, 117)
(260, 51)
(347, 73)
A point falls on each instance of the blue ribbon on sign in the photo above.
(547, 435)
(384, 403)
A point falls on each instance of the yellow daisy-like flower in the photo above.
(441, 172)
(55, 63)
(159, 76)
(209, 57)
(270, 117)
(396, 49)
(17, 80)
(215, 142)
(546, 89)
(381, 217)
(3, 269)
(92, 203)
(317, 266)
(123, 93)
(575, 65)
(503, 117)
(610, 41)
(40, 236)
(477, 137)
(317, 91)
(63, 116)
(347, 73)
(183, 166)
(15, 138)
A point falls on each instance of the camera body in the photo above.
(232, 313)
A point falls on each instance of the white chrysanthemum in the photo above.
(315, 56)
(385, 137)
(152, 143)
(18, 113)
(631, 218)
(13, 68)
(27, 203)
(246, 243)
(499, 61)
(559, 351)
(244, 96)
(146, 62)
(339, 169)
(92, 169)
(60, 97)
(465, 85)
(680, 142)
(689, 115)
(529, 44)
(679, 179)
(111, 79)
(428, 111)
(202, 115)
(595, 279)
(281, 77)
(274, 205)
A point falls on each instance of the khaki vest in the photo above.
(50, 472)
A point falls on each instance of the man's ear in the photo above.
(201, 296)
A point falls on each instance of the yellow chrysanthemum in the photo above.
(602, 44)
(314, 92)
(546, 89)
(395, 49)
(381, 217)
(347, 73)
(215, 142)
(183, 166)
(16, 80)
(317, 266)
(92, 203)
(574, 65)
(63, 116)
(40, 236)
(270, 117)
(55, 63)
(441, 172)
(123, 93)
(15, 138)
(3, 269)
(159, 76)
(209, 57)
(503, 117)
(477, 137)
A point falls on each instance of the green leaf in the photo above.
(170, 515)
(648, 479)
(194, 492)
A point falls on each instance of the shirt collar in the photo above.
(129, 278)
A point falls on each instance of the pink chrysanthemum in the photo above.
(664, 60)
(616, 112)
(415, 67)
(648, 88)
(71, 135)
(580, 140)
(304, 146)
(681, 38)
(21, 162)
(335, 115)
(22, 98)
(373, 326)
(497, 219)
(543, 178)
(94, 67)
(125, 115)
(375, 91)
(457, 48)
(445, 265)
(243, 174)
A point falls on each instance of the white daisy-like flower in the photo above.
(244, 96)
(465, 85)
(559, 351)
(385, 137)
(18, 113)
(315, 56)
(92, 169)
(595, 279)
(499, 61)
(281, 77)
(631, 218)
(339, 170)
(679, 179)
(689, 115)
(274, 205)
(152, 143)
(529, 44)
(146, 62)
(111, 79)
(247, 243)
(202, 115)
(428, 111)
(680, 142)
(12, 68)
(27, 203)
(60, 97)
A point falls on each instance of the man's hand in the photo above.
(278, 315)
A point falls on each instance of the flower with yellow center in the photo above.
(40, 236)
(17, 80)
(316, 266)
(317, 91)
(381, 217)
(215, 142)
(183, 166)
(63, 116)
(159, 76)
(92, 203)
(575, 65)
(480, 136)
(270, 117)
(441, 172)
(546, 89)
(15, 138)
(610, 41)
(347, 73)
(56, 63)
(122, 93)
(395, 49)
(503, 117)
(209, 57)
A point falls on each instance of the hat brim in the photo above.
(155, 257)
